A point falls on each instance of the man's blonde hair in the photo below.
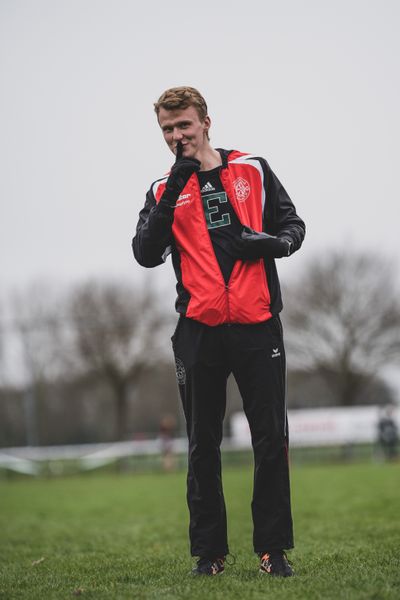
(179, 98)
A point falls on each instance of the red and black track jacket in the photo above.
(252, 294)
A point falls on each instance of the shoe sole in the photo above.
(275, 574)
(194, 574)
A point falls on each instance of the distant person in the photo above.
(225, 217)
(167, 430)
(388, 435)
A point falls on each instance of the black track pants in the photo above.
(205, 356)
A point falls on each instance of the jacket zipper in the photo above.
(228, 308)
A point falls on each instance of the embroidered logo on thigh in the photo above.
(180, 371)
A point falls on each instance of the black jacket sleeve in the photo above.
(153, 232)
(280, 217)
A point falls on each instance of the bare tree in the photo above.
(343, 320)
(116, 333)
(2, 337)
(35, 327)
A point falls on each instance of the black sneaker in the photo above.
(276, 564)
(207, 566)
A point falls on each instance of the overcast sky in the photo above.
(313, 86)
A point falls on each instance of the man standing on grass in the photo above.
(225, 217)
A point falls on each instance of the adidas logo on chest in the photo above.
(208, 187)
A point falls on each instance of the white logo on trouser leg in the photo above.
(275, 352)
(180, 371)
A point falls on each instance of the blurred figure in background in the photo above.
(167, 431)
(388, 435)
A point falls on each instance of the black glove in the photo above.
(252, 245)
(180, 174)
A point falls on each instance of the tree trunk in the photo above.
(121, 405)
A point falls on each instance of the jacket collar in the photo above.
(224, 156)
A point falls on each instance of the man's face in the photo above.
(184, 126)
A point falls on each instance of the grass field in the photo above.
(125, 536)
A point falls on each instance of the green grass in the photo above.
(110, 536)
